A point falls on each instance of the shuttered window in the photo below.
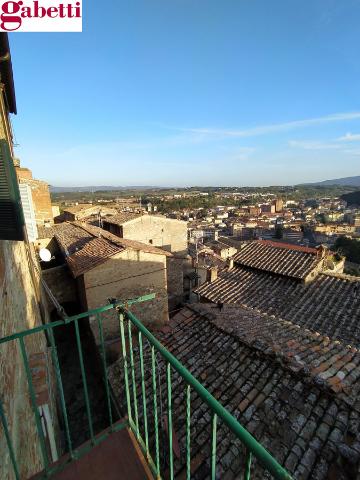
(11, 215)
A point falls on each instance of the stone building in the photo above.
(106, 266)
(159, 231)
(40, 194)
(23, 305)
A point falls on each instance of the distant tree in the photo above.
(279, 230)
(348, 247)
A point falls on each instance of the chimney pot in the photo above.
(212, 274)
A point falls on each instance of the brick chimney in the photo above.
(230, 263)
(211, 274)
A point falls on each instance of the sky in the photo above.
(192, 92)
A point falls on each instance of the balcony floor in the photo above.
(117, 457)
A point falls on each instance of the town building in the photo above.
(105, 266)
(168, 234)
(39, 196)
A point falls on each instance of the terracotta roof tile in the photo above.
(329, 304)
(310, 429)
(86, 247)
(122, 218)
(296, 262)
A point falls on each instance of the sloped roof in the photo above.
(329, 362)
(308, 428)
(329, 304)
(122, 218)
(283, 259)
(124, 242)
(86, 246)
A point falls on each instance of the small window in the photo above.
(151, 242)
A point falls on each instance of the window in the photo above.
(11, 215)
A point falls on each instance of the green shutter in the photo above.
(11, 215)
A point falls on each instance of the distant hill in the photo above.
(346, 181)
(352, 198)
(98, 188)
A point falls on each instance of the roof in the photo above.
(284, 259)
(86, 246)
(308, 428)
(123, 242)
(329, 362)
(330, 304)
(80, 207)
(45, 231)
(6, 72)
(122, 218)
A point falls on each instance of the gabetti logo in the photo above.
(40, 16)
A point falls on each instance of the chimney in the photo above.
(211, 274)
(230, 263)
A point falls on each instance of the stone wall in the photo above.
(61, 283)
(158, 231)
(22, 306)
(41, 200)
(128, 275)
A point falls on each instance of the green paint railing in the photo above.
(142, 415)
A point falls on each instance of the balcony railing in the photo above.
(144, 415)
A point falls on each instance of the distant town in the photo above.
(217, 218)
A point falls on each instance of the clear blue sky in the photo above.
(192, 92)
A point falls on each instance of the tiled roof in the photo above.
(46, 231)
(122, 218)
(95, 252)
(124, 242)
(330, 304)
(283, 259)
(87, 246)
(329, 362)
(307, 427)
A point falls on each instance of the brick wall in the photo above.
(41, 200)
(21, 307)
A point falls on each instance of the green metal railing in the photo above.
(141, 370)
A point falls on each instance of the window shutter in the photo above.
(28, 210)
(11, 215)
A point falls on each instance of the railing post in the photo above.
(133, 381)
(103, 356)
(171, 456)
(157, 453)
(83, 375)
(143, 392)
(61, 389)
(213, 447)
(188, 437)
(126, 373)
(248, 465)
(34, 405)
(9, 442)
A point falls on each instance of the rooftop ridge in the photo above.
(289, 246)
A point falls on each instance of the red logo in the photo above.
(13, 13)
(10, 21)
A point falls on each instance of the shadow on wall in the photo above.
(123, 279)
